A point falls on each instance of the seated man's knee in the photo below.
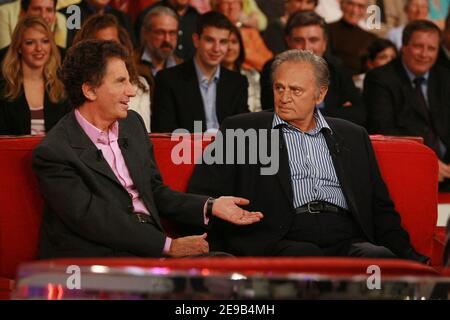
(298, 249)
(369, 250)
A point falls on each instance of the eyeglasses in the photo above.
(161, 33)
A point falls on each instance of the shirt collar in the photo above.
(321, 123)
(170, 61)
(95, 134)
(201, 76)
(412, 76)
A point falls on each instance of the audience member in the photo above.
(233, 61)
(408, 96)
(32, 98)
(199, 89)
(91, 7)
(348, 41)
(159, 42)
(379, 53)
(308, 31)
(46, 9)
(187, 21)
(256, 52)
(274, 34)
(392, 15)
(415, 10)
(106, 27)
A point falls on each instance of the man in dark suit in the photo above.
(308, 31)
(327, 197)
(97, 174)
(200, 89)
(409, 96)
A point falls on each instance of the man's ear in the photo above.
(89, 92)
(322, 93)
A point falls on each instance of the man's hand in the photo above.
(444, 171)
(226, 208)
(188, 246)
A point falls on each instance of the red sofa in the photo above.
(408, 167)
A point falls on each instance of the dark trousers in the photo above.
(328, 234)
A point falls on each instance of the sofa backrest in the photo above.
(408, 167)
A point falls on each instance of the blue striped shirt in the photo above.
(313, 175)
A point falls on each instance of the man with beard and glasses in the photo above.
(187, 19)
(159, 40)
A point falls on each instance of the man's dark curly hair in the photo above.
(86, 63)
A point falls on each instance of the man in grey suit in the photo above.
(96, 170)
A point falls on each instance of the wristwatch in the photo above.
(209, 206)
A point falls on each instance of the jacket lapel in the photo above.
(342, 161)
(193, 94)
(87, 151)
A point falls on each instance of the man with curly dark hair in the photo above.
(102, 188)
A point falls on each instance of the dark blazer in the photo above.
(178, 100)
(356, 169)
(87, 211)
(15, 116)
(343, 100)
(443, 60)
(393, 108)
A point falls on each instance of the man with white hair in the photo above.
(327, 197)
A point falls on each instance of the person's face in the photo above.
(295, 92)
(383, 57)
(161, 39)
(44, 9)
(35, 48)
(420, 54)
(232, 9)
(211, 45)
(99, 4)
(113, 94)
(354, 10)
(417, 10)
(291, 6)
(233, 50)
(308, 38)
(109, 33)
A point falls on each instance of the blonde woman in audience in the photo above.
(32, 98)
(233, 61)
(106, 27)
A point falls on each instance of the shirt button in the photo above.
(180, 32)
(180, 47)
